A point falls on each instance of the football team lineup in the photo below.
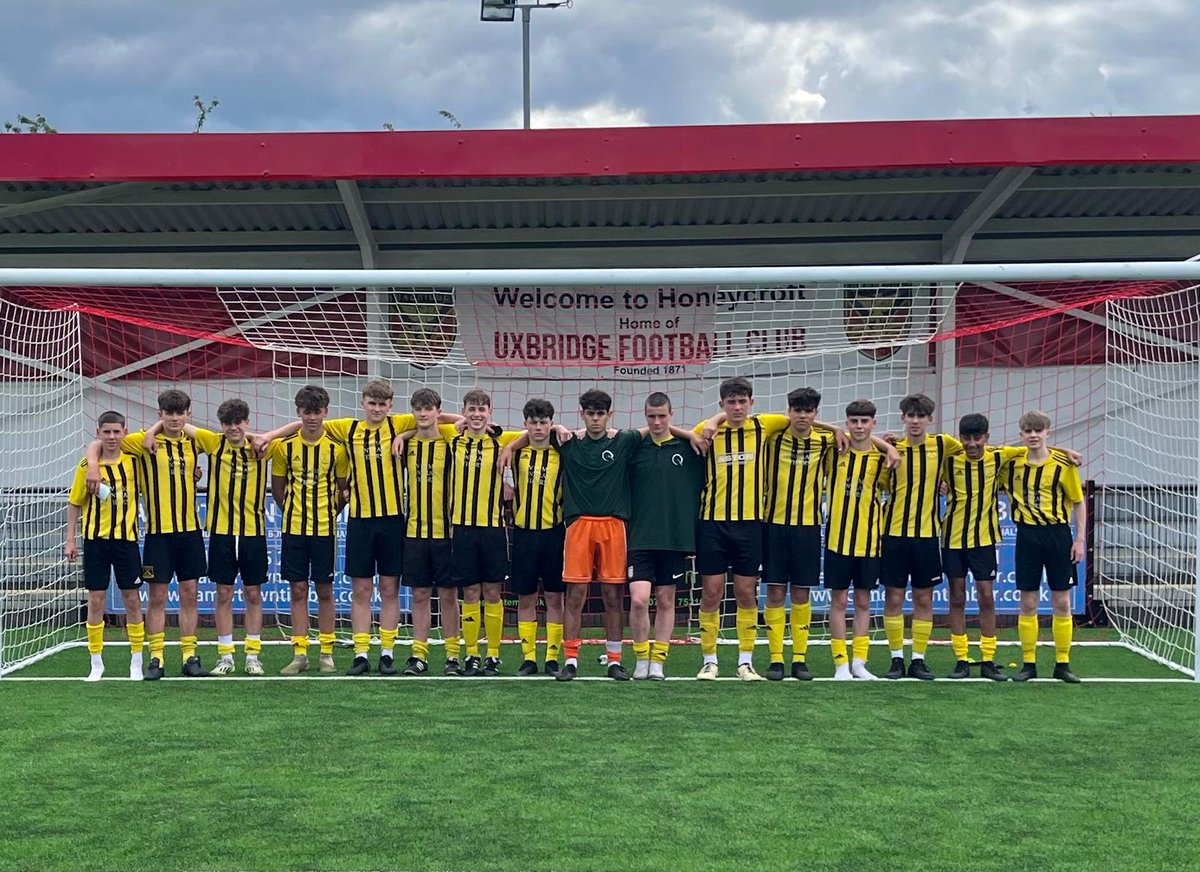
(460, 510)
(600, 435)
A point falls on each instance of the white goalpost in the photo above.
(1111, 351)
(41, 406)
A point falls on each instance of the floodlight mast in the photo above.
(505, 10)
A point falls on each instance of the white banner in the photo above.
(641, 331)
(666, 331)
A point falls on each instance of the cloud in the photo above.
(104, 55)
(13, 98)
(303, 65)
(603, 113)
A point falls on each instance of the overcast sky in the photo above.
(117, 65)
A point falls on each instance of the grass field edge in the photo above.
(456, 679)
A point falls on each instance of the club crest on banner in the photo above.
(877, 318)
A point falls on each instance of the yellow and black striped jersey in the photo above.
(168, 481)
(311, 470)
(115, 517)
(429, 471)
(237, 486)
(537, 485)
(856, 483)
(1043, 493)
(477, 482)
(376, 490)
(972, 518)
(734, 478)
(796, 477)
(913, 507)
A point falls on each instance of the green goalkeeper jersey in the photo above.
(595, 482)
(665, 480)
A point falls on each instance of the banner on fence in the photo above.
(277, 593)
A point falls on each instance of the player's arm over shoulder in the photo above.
(338, 429)
(630, 438)
(1009, 453)
(562, 439)
(206, 440)
(134, 443)
(952, 445)
(772, 422)
(404, 421)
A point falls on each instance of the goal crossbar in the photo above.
(761, 275)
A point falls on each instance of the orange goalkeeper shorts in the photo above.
(595, 548)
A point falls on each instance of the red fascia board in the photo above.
(632, 151)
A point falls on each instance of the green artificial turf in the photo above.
(399, 773)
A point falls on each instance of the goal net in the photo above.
(1112, 358)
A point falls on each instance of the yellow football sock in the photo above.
(470, 627)
(837, 647)
(300, 646)
(325, 640)
(960, 645)
(253, 646)
(987, 648)
(137, 637)
(893, 626)
(659, 651)
(862, 647)
(921, 631)
(225, 650)
(420, 650)
(1064, 629)
(801, 619)
(708, 632)
(453, 648)
(641, 650)
(187, 647)
(554, 640)
(493, 622)
(95, 634)
(387, 641)
(1027, 629)
(775, 617)
(528, 633)
(158, 645)
(747, 629)
(362, 644)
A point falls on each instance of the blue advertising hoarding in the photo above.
(1008, 598)
(277, 594)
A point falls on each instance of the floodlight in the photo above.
(498, 10)
(506, 10)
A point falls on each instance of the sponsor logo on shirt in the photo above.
(737, 457)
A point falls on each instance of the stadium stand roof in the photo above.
(879, 192)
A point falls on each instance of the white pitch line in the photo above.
(504, 679)
(597, 643)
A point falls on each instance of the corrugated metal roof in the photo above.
(796, 208)
(1127, 203)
